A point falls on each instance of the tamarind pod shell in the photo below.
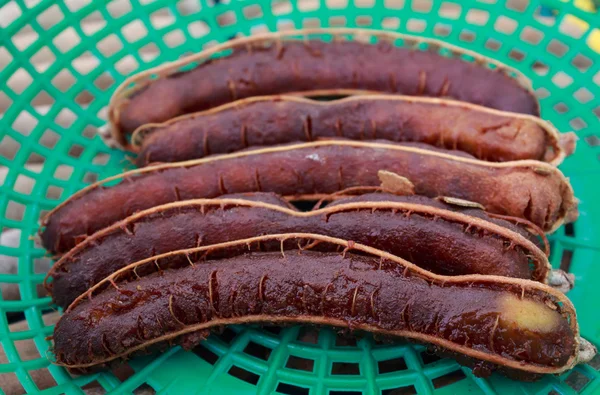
(311, 170)
(440, 238)
(511, 324)
(296, 61)
(485, 133)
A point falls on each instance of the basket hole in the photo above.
(75, 151)
(94, 387)
(345, 368)
(123, 372)
(583, 95)
(595, 362)
(42, 59)
(252, 11)
(281, 7)
(364, 20)
(300, 363)
(578, 123)
(90, 177)
(198, 29)
(442, 30)
(493, 44)
(109, 45)
(505, 25)
(174, 39)
(24, 123)
(345, 340)
(92, 23)
(35, 159)
(394, 4)
(557, 48)
(63, 172)
(540, 68)
(338, 21)
(243, 374)
(10, 291)
(391, 23)
(577, 380)
(308, 335)
(11, 383)
(9, 147)
(84, 97)
(450, 10)
(118, 8)
(290, 389)
(14, 211)
(187, 7)
(49, 139)
(467, 36)
(66, 40)
(448, 379)
(27, 349)
(308, 5)
(63, 80)
(565, 260)
(53, 192)
(149, 52)
(336, 4)
(272, 329)
(206, 354)
(408, 390)
(19, 81)
(134, 31)
(391, 365)
(477, 17)
(416, 25)
(423, 6)
(429, 357)
(573, 27)
(128, 64)
(5, 58)
(542, 93)
(258, 350)
(517, 5)
(50, 319)
(41, 265)
(24, 38)
(531, 35)
(161, 19)
(10, 12)
(516, 55)
(309, 23)
(226, 19)
(227, 335)
(582, 63)
(593, 141)
(561, 108)
(24, 184)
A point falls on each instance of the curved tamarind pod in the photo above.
(432, 235)
(298, 61)
(522, 327)
(532, 190)
(485, 133)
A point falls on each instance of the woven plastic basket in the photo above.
(60, 62)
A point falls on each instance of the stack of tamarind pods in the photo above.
(435, 183)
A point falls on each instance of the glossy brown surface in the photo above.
(290, 66)
(355, 291)
(252, 123)
(433, 241)
(531, 190)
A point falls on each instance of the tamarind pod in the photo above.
(517, 325)
(297, 61)
(432, 235)
(485, 133)
(532, 190)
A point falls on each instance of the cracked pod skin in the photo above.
(535, 191)
(441, 238)
(521, 327)
(485, 133)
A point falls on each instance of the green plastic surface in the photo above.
(297, 360)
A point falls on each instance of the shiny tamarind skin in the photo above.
(277, 63)
(441, 238)
(519, 326)
(535, 191)
(484, 133)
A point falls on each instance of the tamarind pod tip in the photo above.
(587, 351)
(561, 280)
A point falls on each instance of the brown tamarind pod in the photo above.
(532, 190)
(299, 61)
(485, 133)
(438, 237)
(521, 327)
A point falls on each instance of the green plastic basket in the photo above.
(89, 46)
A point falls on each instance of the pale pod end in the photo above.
(561, 281)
